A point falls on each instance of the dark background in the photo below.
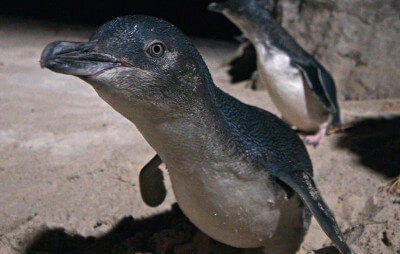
(191, 16)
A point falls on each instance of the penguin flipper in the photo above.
(151, 182)
(321, 83)
(330, 90)
(303, 184)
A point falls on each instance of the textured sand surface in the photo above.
(68, 161)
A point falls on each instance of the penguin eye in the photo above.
(156, 49)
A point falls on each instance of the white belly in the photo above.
(292, 97)
(240, 212)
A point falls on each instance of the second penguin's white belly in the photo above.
(291, 95)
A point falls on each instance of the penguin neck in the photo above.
(261, 29)
(190, 136)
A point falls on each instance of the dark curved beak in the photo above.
(76, 58)
(217, 7)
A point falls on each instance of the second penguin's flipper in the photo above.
(151, 181)
(321, 83)
(303, 184)
(330, 89)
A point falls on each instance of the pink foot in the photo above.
(316, 138)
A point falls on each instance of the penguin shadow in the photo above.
(243, 63)
(164, 233)
(377, 144)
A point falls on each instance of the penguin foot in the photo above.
(316, 138)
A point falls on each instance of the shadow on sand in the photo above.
(168, 232)
(243, 63)
(377, 143)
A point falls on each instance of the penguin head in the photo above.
(244, 13)
(234, 7)
(137, 60)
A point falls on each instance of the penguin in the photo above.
(300, 87)
(240, 174)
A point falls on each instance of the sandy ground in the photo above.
(69, 164)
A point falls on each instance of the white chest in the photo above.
(296, 102)
(238, 210)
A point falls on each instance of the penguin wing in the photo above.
(321, 83)
(303, 184)
(151, 181)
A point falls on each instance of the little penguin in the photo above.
(299, 86)
(239, 173)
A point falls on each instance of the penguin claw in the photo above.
(315, 139)
(309, 141)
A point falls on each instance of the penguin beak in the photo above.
(76, 58)
(217, 7)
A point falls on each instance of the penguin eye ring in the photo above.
(156, 49)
